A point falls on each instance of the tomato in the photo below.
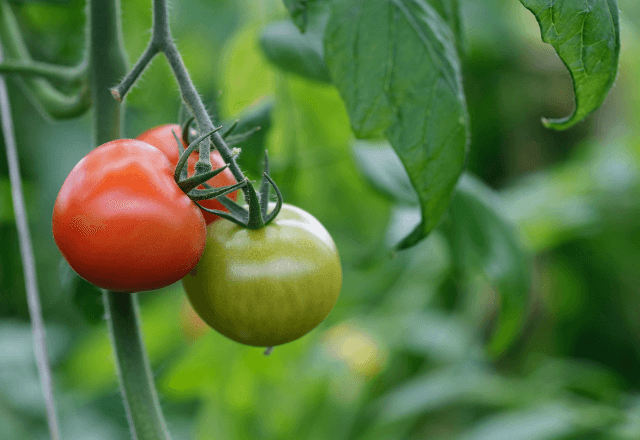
(268, 286)
(123, 224)
(162, 138)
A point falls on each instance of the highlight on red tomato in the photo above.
(268, 286)
(121, 221)
(162, 138)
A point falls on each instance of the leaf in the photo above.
(86, 296)
(586, 36)
(384, 171)
(483, 240)
(458, 385)
(396, 67)
(6, 202)
(482, 237)
(551, 421)
(449, 10)
(251, 157)
(292, 51)
(298, 9)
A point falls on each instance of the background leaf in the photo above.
(86, 296)
(293, 51)
(251, 158)
(298, 11)
(586, 36)
(396, 67)
(384, 171)
(484, 241)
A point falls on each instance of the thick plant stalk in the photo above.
(28, 261)
(107, 65)
(136, 381)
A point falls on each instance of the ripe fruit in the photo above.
(122, 223)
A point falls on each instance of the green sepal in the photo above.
(206, 194)
(256, 221)
(186, 127)
(229, 130)
(239, 138)
(264, 187)
(185, 155)
(222, 214)
(192, 182)
(239, 212)
(279, 201)
(183, 171)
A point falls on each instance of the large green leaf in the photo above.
(449, 10)
(484, 242)
(586, 36)
(396, 67)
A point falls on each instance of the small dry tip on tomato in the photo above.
(123, 224)
(268, 286)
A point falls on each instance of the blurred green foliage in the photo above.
(405, 354)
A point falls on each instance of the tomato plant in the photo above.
(162, 138)
(268, 286)
(121, 221)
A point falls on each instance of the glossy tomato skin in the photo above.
(122, 223)
(268, 286)
(162, 138)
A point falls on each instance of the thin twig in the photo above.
(161, 41)
(28, 262)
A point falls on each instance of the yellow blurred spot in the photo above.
(356, 348)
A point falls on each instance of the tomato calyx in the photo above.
(189, 184)
(257, 214)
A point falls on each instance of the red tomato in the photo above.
(162, 138)
(123, 224)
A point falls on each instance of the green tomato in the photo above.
(268, 286)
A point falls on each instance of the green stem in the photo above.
(45, 70)
(107, 64)
(136, 381)
(54, 103)
(146, 57)
(28, 260)
(161, 40)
